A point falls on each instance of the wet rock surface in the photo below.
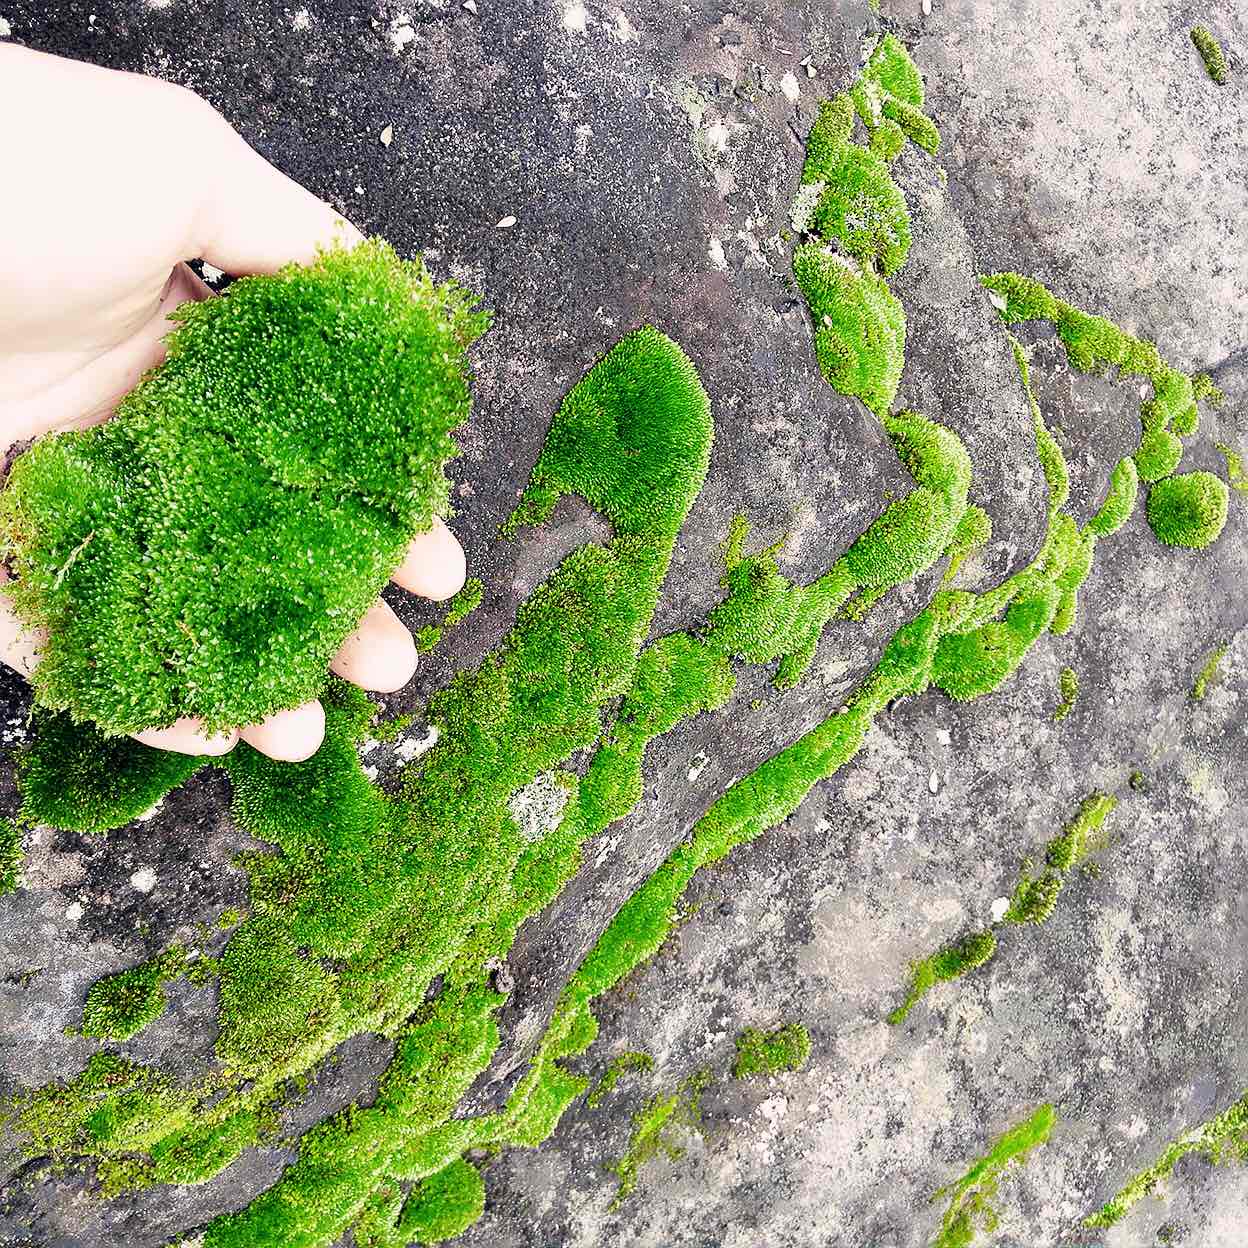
(648, 153)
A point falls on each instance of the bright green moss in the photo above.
(1124, 485)
(834, 123)
(625, 1063)
(1188, 509)
(1158, 455)
(863, 210)
(118, 1006)
(155, 548)
(427, 638)
(1222, 1138)
(860, 329)
(971, 1198)
(10, 856)
(1048, 452)
(465, 602)
(761, 1052)
(198, 1153)
(390, 729)
(73, 777)
(892, 68)
(1235, 474)
(916, 125)
(1204, 389)
(951, 962)
(1068, 687)
(1211, 53)
(113, 1106)
(973, 532)
(445, 1204)
(888, 141)
(655, 1131)
(1208, 674)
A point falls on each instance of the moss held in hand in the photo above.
(209, 549)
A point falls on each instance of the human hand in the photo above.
(122, 180)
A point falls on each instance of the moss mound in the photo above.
(208, 550)
(1188, 509)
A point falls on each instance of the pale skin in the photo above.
(116, 182)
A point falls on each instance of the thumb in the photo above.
(253, 218)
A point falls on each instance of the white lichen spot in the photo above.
(506, 223)
(159, 4)
(212, 274)
(944, 736)
(73, 912)
(999, 907)
(774, 1109)
(413, 747)
(301, 20)
(789, 86)
(402, 32)
(716, 253)
(583, 135)
(997, 300)
(717, 137)
(575, 18)
(927, 8)
(143, 880)
(699, 766)
(471, 6)
(804, 204)
(623, 29)
(387, 136)
(5, 29)
(933, 783)
(538, 806)
(371, 771)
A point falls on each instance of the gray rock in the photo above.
(1083, 144)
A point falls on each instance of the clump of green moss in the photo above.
(1211, 53)
(625, 1063)
(849, 200)
(655, 1132)
(119, 1006)
(951, 962)
(1033, 901)
(10, 855)
(1189, 509)
(971, 1198)
(1235, 474)
(1208, 674)
(1068, 687)
(1124, 486)
(771, 1052)
(1224, 1137)
(460, 607)
(860, 328)
(390, 729)
(308, 412)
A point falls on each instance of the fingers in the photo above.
(254, 219)
(19, 645)
(92, 387)
(380, 655)
(434, 566)
(288, 736)
(187, 736)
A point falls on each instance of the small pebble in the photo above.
(143, 880)
(506, 223)
(73, 912)
(927, 8)
(999, 907)
(470, 5)
(387, 136)
(933, 782)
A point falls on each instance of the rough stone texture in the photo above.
(1083, 144)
